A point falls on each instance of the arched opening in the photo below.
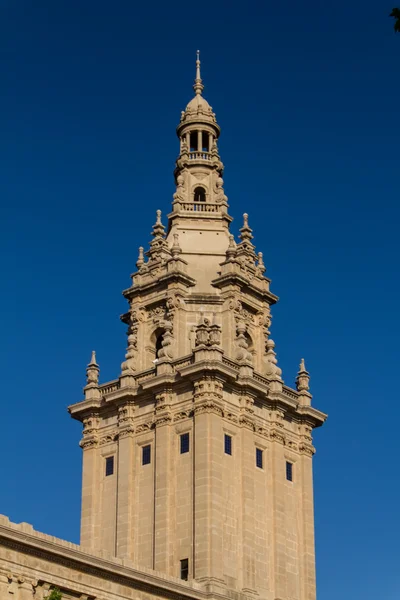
(158, 344)
(199, 194)
(193, 141)
(205, 140)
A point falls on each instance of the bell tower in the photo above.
(197, 458)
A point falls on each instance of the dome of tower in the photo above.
(198, 109)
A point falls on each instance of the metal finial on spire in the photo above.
(198, 83)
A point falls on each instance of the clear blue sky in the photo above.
(307, 95)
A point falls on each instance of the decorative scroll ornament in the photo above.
(129, 365)
(219, 195)
(242, 354)
(181, 191)
(272, 370)
(166, 343)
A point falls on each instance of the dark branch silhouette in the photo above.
(396, 15)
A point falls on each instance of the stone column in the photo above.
(200, 140)
(210, 141)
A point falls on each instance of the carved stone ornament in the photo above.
(157, 313)
(144, 427)
(108, 438)
(232, 417)
(277, 436)
(242, 353)
(208, 387)
(307, 449)
(163, 419)
(163, 401)
(166, 350)
(138, 314)
(91, 442)
(246, 404)
(129, 365)
(90, 425)
(181, 416)
(126, 432)
(207, 334)
(241, 313)
(208, 406)
(263, 431)
(245, 420)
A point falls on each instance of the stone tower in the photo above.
(197, 459)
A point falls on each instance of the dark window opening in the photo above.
(109, 465)
(228, 444)
(146, 455)
(185, 569)
(193, 141)
(184, 443)
(199, 194)
(205, 142)
(289, 471)
(259, 458)
(159, 344)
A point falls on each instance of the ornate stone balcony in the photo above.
(200, 156)
(202, 207)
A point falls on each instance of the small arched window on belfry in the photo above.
(199, 194)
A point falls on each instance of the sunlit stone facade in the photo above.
(197, 458)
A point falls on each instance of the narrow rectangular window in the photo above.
(185, 569)
(228, 444)
(109, 465)
(289, 471)
(184, 443)
(146, 455)
(259, 458)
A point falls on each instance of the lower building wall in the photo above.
(32, 564)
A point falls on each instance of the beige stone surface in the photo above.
(200, 360)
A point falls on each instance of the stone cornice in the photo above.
(160, 282)
(238, 278)
(191, 368)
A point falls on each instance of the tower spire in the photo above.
(198, 82)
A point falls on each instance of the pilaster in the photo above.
(126, 480)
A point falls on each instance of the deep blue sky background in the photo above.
(307, 95)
